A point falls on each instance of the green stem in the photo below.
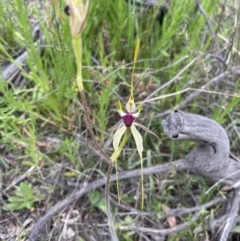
(77, 48)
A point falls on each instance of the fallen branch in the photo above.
(210, 157)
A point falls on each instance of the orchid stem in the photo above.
(77, 48)
(134, 64)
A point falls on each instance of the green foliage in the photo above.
(24, 197)
(97, 200)
(48, 105)
(236, 229)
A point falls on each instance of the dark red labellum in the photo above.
(128, 119)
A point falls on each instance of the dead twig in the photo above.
(87, 187)
(19, 179)
(163, 232)
(178, 212)
(221, 77)
(233, 213)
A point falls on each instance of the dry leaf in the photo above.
(172, 222)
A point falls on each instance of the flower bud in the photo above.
(77, 15)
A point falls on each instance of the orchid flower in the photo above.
(128, 125)
(128, 122)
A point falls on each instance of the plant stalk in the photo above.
(77, 47)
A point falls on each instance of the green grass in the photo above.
(47, 109)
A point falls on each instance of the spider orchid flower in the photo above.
(127, 126)
(78, 12)
(128, 121)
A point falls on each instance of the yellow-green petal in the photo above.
(117, 152)
(118, 136)
(138, 139)
(119, 106)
